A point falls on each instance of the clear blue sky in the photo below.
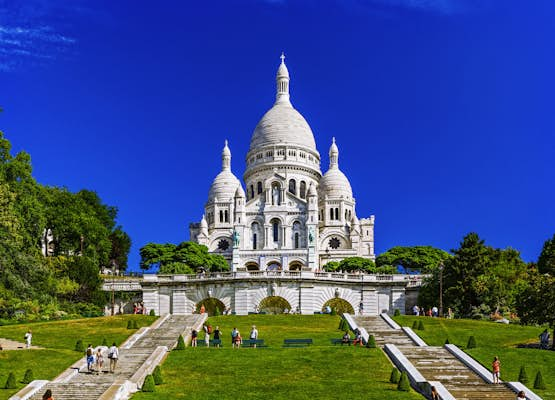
(443, 109)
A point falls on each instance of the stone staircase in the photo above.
(132, 355)
(436, 364)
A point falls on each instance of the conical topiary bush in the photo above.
(157, 375)
(152, 313)
(333, 311)
(397, 312)
(148, 384)
(415, 325)
(403, 384)
(180, 343)
(447, 341)
(371, 344)
(10, 382)
(420, 325)
(538, 382)
(135, 324)
(395, 375)
(129, 324)
(523, 376)
(471, 343)
(79, 346)
(28, 377)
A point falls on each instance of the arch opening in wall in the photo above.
(273, 266)
(252, 266)
(292, 186)
(212, 306)
(295, 266)
(341, 306)
(274, 305)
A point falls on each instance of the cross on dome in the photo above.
(282, 58)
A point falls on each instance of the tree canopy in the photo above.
(184, 258)
(357, 264)
(546, 261)
(423, 259)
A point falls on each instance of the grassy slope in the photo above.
(493, 339)
(321, 371)
(58, 338)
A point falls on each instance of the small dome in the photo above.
(240, 192)
(203, 223)
(311, 190)
(223, 187)
(335, 184)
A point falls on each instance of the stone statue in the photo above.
(236, 238)
(275, 196)
(311, 235)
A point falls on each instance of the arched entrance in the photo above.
(273, 266)
(341, 306)
(274, 305)
(210, 306)
(251, 266)
(295, 266)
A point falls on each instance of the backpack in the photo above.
(209, 329)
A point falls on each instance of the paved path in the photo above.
(437, 364)
(8, 344)
(87, 386)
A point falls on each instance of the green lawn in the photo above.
(58, 339)
(322, 371)
(493, 339)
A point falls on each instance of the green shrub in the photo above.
(415, 325)
(538, 382)
(152, 313)
(471, 343)
(420, 325)
(104, 342)
(523, 376)
(10, 382)
(371, 342)
(180, 343)
(397, 312)
(333, 311)
(135, 325)
(403, 384)
(148, 384)
(216, 311)
(28, 378)
(79, 346)
(447, 341)
(395, 375)
(130, 324)
(157, 375)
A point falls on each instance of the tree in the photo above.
(423, 259)
(357, 264)
(546, 261)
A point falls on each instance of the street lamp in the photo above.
(441, 266)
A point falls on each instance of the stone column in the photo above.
(150, 299)
(370, 301)
(397, 300)
(241, 298)
(306, 298)
(164, 300)
(180, 302)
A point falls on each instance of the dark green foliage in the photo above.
(471, 343)
(447, 341)
(217, 311)
(340, 305)
(79, 346)
(395, 375)
(148, 384)
(104, 342)
(523, 376)
(354, 264)
(343, 325)
(135, 324)
(274, 305)
(180, 343)
(415, 325)
(404, 384)
(129, 324)
(152, 313)
(546, 261)
(184, 258)
(28, 377)
(417, 258)
(397, 312)
(538, 382)
(333, 311)
(10, 382)
(420, 325)
(157, 375)
(371, 342)
(210, 304)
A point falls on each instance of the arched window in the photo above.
(221, 216)
(292, 186)
(252, 192)
(303, 190)
(337, 213)
(331, 213)
(296, 240)
(254, 230)
(346, 214)
(226, 216)
(296, 234)
(259, 188)
(275, 230)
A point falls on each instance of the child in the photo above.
(495, 367)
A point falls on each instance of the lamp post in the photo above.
(441, 266)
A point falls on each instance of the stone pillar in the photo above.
(150, 299)
(180, 302)
(306, 298)
(241, 299)
(164, 301)
(370, 301)
(235, 259)
(397, 300)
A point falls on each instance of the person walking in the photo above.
(89, 355)
(28, 337)
(496, 369)
(234, 334)
(207, 331)
(99, 361)
(194, 335)
(434, 394)
(253, 335)
(544, 340)
(217, 335)
(113, 355)
(47, 395)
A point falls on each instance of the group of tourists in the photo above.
(236, 339)
(431, 312)
(346, 339)
(96, 358)
(139, 308)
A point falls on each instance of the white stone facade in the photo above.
(288, 217)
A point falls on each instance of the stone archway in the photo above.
(295, 266)
(252, 266)
(274, 305)
(341, 306)
(273, 266)
(212, 306)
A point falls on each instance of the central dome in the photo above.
(282, 124)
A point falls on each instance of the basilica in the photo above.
(288, 216)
